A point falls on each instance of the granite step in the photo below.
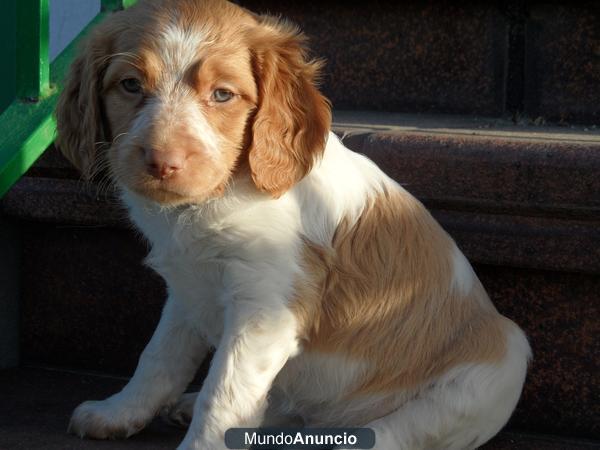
(37, 403)
(523, 202)
(511, 58)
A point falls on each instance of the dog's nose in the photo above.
(163, 164)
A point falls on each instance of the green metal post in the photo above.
(8, 53)
(27, 125)
(112, 5)
(33, 66)
(115, 5)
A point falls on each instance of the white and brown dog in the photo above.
(329, 293)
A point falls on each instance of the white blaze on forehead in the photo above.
(179, 48)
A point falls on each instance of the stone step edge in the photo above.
(464, 163)
(448, 162)
(357, 121)
(498, 239)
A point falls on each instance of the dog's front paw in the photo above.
(180, 414)
(104, 420)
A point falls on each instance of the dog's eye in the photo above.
(132, 85)
(222, 95)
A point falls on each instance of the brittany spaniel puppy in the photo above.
(330, 294)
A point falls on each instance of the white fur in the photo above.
(463, 275)
(230, 266)
(325, 202)
(175, 343)
(463, 409)
(314, 387)
(179, 49)
(168, 102)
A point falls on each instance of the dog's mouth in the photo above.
(173, 192)
(198, 179)
(164, 192)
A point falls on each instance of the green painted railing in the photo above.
(29, 84)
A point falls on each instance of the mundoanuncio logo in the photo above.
(299, 438)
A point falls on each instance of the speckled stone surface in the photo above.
(502, 173)
(84, 287)
(562, 80)
(37, 403)
(525, 211)
(528, 441)
(508, 201)
(53, 200)
(521, 241)
(405, 56)
(53, 164)
(560, 314)
(86, 299)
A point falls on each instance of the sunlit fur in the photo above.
(331, 296)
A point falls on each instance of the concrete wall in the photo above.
(67, 18)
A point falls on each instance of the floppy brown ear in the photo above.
(78, 112)
(292, 117)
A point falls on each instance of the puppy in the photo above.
(330, 294)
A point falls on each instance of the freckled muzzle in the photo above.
(171, 155)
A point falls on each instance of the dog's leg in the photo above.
(253, 349)
(461, 411)
(280, 413)
(166, 367)
(181, 412)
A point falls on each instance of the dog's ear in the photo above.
(292, 117)
(79, 110)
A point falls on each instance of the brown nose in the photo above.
(163, 164)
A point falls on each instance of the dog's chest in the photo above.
(195, 280)
(208, 266)
(190, 261)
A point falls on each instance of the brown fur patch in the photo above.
(292, 118)
(274, 127)
(383, 294)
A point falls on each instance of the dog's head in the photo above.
(178, 96)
